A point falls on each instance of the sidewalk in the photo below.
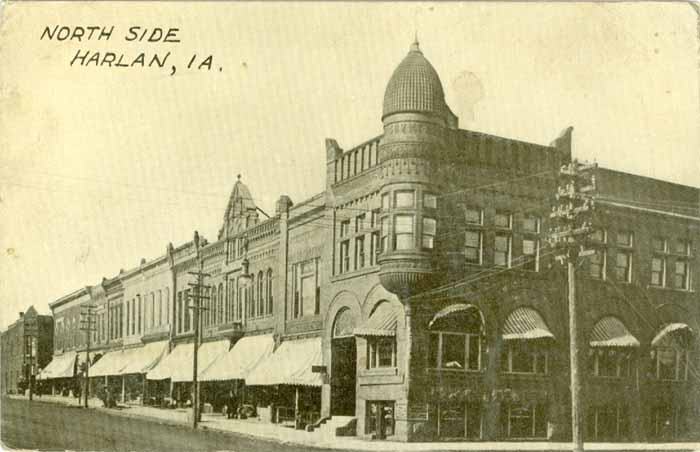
(272, 432)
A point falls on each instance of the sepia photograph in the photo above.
(363, 226)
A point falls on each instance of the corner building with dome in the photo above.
(416, 298)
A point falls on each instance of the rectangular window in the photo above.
(382, 352)
(374, 247)
(186, 302)
(599, 235)
(345, 256)
(455, 351)
(128, 323)
(386, 202)
(403, 232)
(624, 238)
(404, 198)
(344, 228)
(501, 254)
(384, 239)
(526, 420)
(681, 247)
(531, 224)
(374, 218)
(429, 201)
(503, 220)
(525, 358)
(531, 252)
(668, 364)
(360, 223)
(623, 265)
(473, 247)
(596, 264)
(612, 363)
(359, 252)
(473, 215)
(658, 271)
(658, 244)
(681, 275)
(429, 229)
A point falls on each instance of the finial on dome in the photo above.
(415, 47)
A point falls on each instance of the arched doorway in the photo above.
(343, 364)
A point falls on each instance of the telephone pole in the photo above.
(571, 226)
(197, 295)
(87, 315)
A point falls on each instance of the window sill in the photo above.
(672, 289)
(525, 375)
(455, 371)
(355, 273)
(380, 371)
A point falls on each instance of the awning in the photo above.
(111, 363)
(668, 329)
(382, 322)
(61, 366)
(611, 332)
(290, 364)
(525, 323)
(452, 309)
(142, 359)
(245, 355)
(178, 364)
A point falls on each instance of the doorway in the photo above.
(343, 365)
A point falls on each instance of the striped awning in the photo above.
(668, 329)
(290, 364)
(111, 363)
(453, 309)
(61, 366)
(142, 359)
(611, 332)
(245, 355)
(177, 366)
(382, 322)
(525, 323)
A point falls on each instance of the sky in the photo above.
(103, 166)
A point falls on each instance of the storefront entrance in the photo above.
(343, 365)
(380, 422)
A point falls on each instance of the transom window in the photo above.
(473, 215)
(503, 220)
(404, 198)
(624, 238)
(531, 224)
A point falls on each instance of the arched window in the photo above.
(613, 348)
(220, 315)
(455, 339)
(671, 352)
(527, 340)
(270, 302)
(261, 293)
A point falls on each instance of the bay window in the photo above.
(429, 229)
(403, 232)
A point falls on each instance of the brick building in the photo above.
(415, 297)
(19, 363)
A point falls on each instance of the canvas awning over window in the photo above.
(453, 309)
(290, 364)
(178, 364)
(111, 363)
(61, 366)
(142, 359)
(245, 355)
(382, 322)
(668, 329)
(611, 332)
(525, 323)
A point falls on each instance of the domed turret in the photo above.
(415, 120)
(414, 87)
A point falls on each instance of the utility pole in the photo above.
(87, 316)
(197, 295)
(571, 226)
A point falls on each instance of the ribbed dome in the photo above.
(414, 86)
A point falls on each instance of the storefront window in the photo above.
(526, 420)
(608, 422)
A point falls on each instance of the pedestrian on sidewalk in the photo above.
(231, 405)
